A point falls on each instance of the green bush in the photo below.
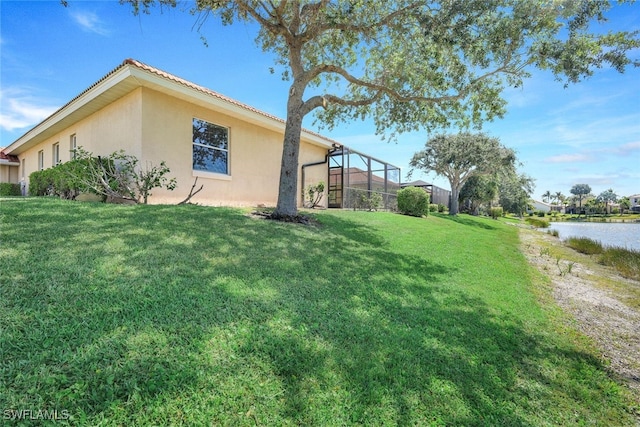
(496, 212)
(40, 182)
(365, 200)
(62, 180)
(433, 207)
(8, 189)
(413, 201)
(441, 208)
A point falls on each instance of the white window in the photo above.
(55, 154)
(72, 146)
(210, 147)
(40, 160)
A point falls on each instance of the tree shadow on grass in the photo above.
(465, 220)
(190, 314)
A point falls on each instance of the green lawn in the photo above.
(190, 315)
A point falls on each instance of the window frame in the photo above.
(41, 160)
(227, 151)
(55, 154)
(73, 146)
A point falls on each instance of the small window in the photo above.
(72, 146)
(24, 167)
(56, 154)
(210, 147)
(40, 160)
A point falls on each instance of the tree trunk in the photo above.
(455, 193)
(288, 190)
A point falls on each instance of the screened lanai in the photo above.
(354, 178)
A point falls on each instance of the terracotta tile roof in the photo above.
(9, 157)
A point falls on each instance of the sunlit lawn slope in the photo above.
(189, 315)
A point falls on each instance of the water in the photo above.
(624, 235)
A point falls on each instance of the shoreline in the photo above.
(603, 304)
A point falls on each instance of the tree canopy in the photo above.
(515, 191)
(458, 157)
(413, 65)
(580, 190)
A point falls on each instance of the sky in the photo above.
(587, 133)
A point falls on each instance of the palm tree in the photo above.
(546, 196)
(559, 197)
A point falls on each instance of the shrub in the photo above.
(365, 200)
(413, 201)
(119, 176)
(63, 180)
(433, 207)
(314, 194)
(442, 208)
(496, 212)
(8, 189)
(40, 183)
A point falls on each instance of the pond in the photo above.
(624, 235)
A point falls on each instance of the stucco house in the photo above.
(8, 168)
(634, 200)
(233, 149)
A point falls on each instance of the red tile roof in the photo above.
(9, 157)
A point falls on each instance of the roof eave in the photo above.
(130, 76)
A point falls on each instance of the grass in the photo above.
(537, 222)
(584, 245)
(188, 315)
(625, 261)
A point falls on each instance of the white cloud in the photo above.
(90, 22)
(20, 110)
(570, 158)
(627, 149)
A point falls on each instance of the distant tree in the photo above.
(558, 197)
(625, 204)
(459, 157)
(413, 64)
(478, 190)
(593, 206)
(546, 196)
(580, 191)
(515, 191)
(607, 197)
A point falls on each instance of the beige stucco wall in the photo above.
(254, 154)
(114, 127)
(9, 173)
(154, 126)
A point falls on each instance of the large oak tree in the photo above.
(462, 156)
(413, 65)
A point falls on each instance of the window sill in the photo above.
(211, 175)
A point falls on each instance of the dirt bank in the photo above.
(605, 305)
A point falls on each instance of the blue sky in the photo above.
(588, 133)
